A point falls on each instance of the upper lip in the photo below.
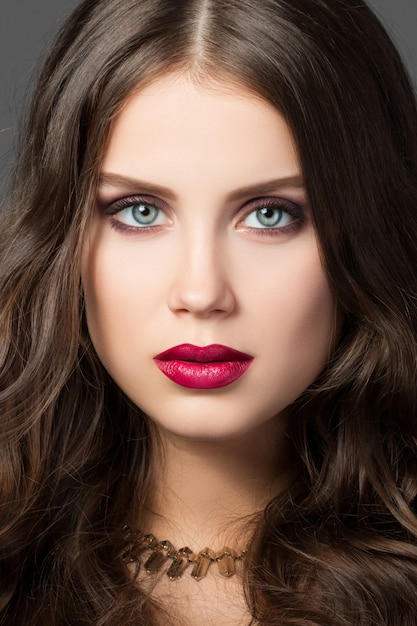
(206, 354)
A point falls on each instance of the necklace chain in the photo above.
(163, 552)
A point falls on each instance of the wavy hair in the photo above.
(339, 546)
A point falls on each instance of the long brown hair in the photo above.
(339, 547)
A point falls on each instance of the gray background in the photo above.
(27, 26)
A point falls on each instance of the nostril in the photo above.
(202, 299)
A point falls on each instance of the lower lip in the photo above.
(203, 375)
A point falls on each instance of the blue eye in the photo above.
(269, 217)
(138, 214)
(144, 214)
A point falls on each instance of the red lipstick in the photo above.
(208, 367)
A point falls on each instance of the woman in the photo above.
(209, 319)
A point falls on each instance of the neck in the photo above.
(206, 492)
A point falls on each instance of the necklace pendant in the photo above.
(154, 562)
(159, 556)
(226, 562)
(201, 566)
(165, 557)
(179, 564)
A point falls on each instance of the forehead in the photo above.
(175, 128)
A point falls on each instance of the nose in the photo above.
(202, 283)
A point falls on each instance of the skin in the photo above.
(207, 271)
(205, 274)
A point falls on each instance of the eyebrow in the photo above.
(258, 189)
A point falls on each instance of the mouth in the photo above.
(208, 367)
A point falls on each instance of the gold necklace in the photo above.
(163, 552)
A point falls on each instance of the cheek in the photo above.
(312, 303)
(107, 305)
(300, 322)
(290, 295)
(105, 294)
(122, 291)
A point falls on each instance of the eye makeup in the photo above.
(271, 216)
(137, 213)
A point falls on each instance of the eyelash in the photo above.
(295, 211)
(124, 203)
(286, 206)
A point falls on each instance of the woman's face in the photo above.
(206, 299)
